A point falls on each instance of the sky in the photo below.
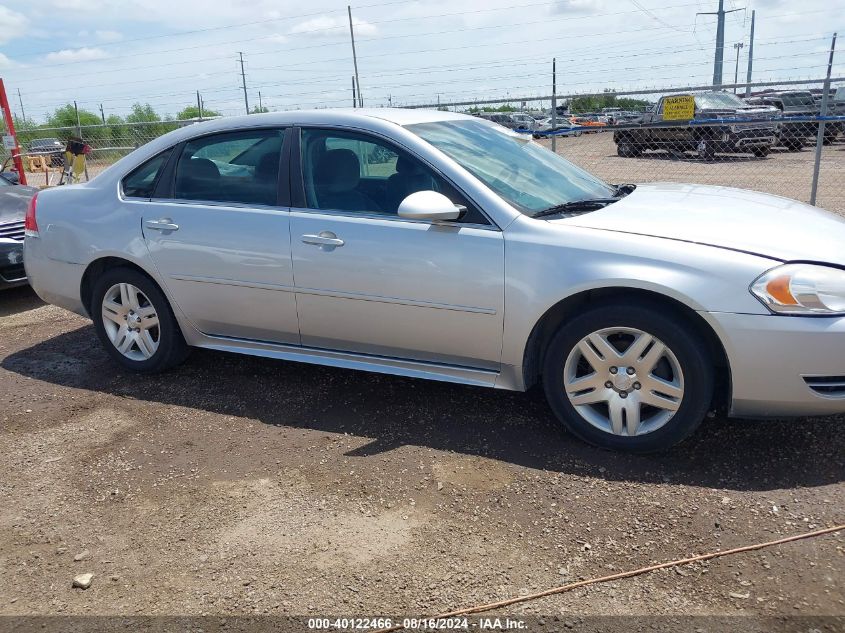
(298, 54)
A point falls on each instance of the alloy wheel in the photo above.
(131, 322)
(623, 381)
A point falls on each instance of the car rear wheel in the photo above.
(761, 152)
(628, 377)
(134, 322)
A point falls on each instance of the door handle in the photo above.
(325, 239)
(164, 224)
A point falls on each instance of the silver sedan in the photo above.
(441, 246)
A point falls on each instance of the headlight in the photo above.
(802, 289)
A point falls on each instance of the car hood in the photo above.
(724, 217)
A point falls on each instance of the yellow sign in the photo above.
(680, 108)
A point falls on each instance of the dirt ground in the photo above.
(242, 486)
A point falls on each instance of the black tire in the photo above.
(626, 148)
(172, 349)
(795, 146)
(761, 152)
(682, 339)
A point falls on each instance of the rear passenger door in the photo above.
(217, 229)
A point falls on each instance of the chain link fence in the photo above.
(43, 148)
(772, 140)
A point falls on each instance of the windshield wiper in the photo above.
(575, 206)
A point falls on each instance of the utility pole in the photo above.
(822, 112)
(102, 114)
(20, 100)
(243, 80)
(554, 103)
(260, 104)
(78, 125)
(720, 41)
(354, 56)
(750, 55)
(199, 105)
(354, 97)
(738, 46)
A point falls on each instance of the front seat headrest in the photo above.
(338, 170)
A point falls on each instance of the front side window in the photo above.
(349, 171)
(140, 182)
(239, 167)
(524, 173)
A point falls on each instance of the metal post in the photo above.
(79, 134)
(10, 125)
(354, 56)
(720, 45)
(554, 103)
(20, 100)
(750, 56)
(199, 106)
(354, 97)
(243, 80)
(719, 58)
(814, 187)
(738, 46)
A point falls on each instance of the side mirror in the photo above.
(429, 205)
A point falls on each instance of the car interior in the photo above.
(241, 170)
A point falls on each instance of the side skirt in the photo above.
(351, 360)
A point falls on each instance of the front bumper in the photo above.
(774, 360)
(11, 263)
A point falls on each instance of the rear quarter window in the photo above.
(141, 181)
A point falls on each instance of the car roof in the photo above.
(399, 116)
(372, 119)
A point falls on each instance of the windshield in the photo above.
(798, 99)
(43, 142)
(718, 100)
(524, 173)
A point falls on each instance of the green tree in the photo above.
(145, 124)
(66, 117)
(260, 109)
(192, 112)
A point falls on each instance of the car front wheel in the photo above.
(628, 377)
(135, 323)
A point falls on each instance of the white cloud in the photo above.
(83, 54)
(5, 62)
(109, 36)
(332, 26)
(579, 6)
(12, 24)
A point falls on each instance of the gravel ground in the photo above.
(236, 485)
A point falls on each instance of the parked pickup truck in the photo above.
(754, 130)
(795, 105)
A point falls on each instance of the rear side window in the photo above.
(241, 167)
(140, 183)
